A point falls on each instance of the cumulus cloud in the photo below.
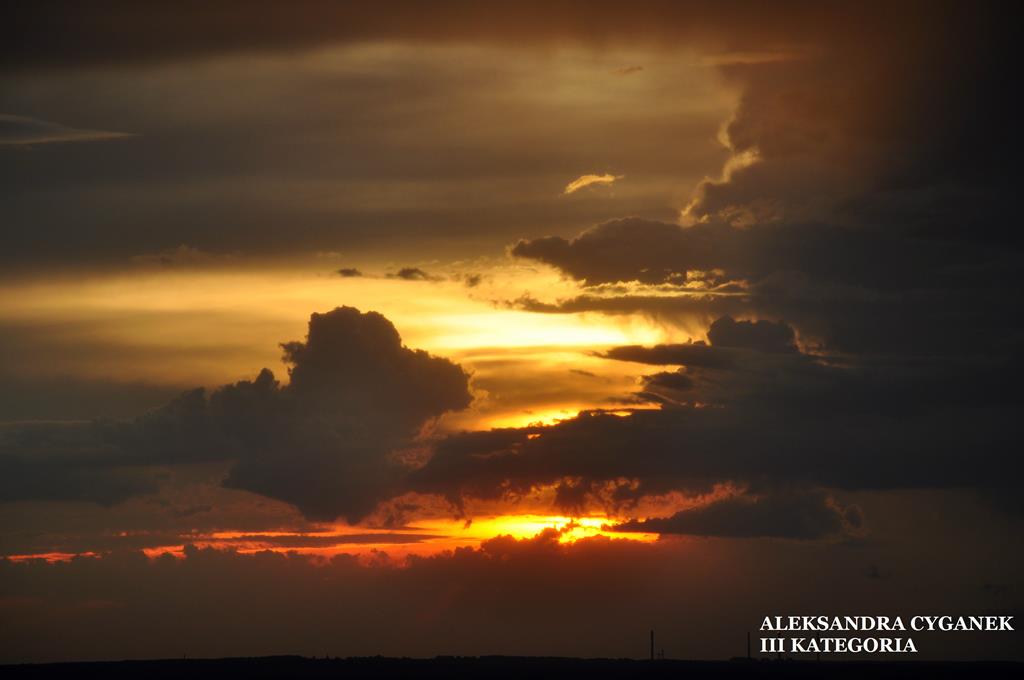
(356, 393)
(322, 442)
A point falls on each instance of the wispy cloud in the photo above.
(753, 57)
(588, 180)
(627, 70)
(24, 131)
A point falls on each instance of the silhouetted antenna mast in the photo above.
(652, 644)
(748, 645)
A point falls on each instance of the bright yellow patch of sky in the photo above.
(212, 326)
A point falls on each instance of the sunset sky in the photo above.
(470, 328)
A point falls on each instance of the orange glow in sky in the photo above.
(527, 526)
(225, 326)
(425, 537)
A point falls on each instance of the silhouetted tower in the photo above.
(652, 644)
(748, 645)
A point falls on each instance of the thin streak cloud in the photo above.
(588, 180)
(24, 131)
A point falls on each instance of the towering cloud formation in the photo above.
(356, 393)
(323, 442)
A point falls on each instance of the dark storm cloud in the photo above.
(866, 203)
(760, 412)
(763, 335)
(916, 322)
(883, 257)
(687, 447)
(886, 136)
(322, 442)
(804, 515)
(870, 288)
(629, 249)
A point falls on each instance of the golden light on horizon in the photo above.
(423, 538)
(530, 418)
(525, 526)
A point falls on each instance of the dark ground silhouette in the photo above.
(530, 668)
